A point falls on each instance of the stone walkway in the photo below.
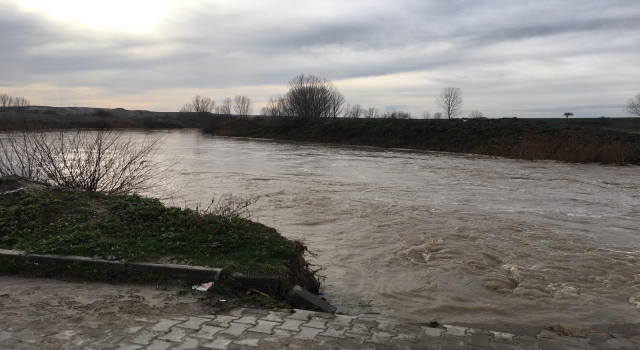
(260, 329)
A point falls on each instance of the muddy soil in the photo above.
(29, 301)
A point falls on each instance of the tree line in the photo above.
(310, 96)
(18, 104)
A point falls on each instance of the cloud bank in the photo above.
(509, 58)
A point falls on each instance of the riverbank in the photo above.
(39, 219)
(606, 141)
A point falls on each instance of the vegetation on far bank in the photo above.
(583, 141)
(51, 220)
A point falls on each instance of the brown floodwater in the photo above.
(429, 236)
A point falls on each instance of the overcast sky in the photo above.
(510, 58)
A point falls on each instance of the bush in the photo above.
(102, 161)
(101, 113)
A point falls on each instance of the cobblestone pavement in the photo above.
(260, 329)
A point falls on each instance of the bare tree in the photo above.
(242, 105)
(202, 105)
(355, 111)
(568, 114)
(336, 102)
(437, 115)
(21, 104)
(6, 101)
(426, 115)
(310, 96)
(476, 114)
(102, 161)
(276, 107)
(633, 106)
(372, 113)
(392, 113)
(450, 101)
(225, 107)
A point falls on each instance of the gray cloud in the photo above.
(484, 46)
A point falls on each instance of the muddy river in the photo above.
(428, 236)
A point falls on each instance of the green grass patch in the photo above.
(136, 229)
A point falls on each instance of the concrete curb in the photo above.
(298, 296)
(164, 269)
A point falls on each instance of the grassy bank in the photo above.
(615, 141)
(33, 121)
(132, 228)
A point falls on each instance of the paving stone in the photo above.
(619, 342)
(595, 338)
(159, 345)
(133, 330)
(302, 315)
(207, 332)
(144, 338)
(433, 332)
(503, 346)
(404, 337)
(479, 340)
(193, 323)
(455, 331)
(107, 342)
(175, 335)
(343, 320)
(237, 312)
(223, 321)
(247, 320)
(547, 334)
(359, 328)
(380, 337)
(247, 342)
(188, 344)
(4, 335)
(274, 317)
(280, 334)
(521, 338)
(575, 343)
(478, 331)
(333, 331)
(360, 338)
(180, 318)
(265, 327)
(527, 345)
(308, 333)
(164, 325)
(66, 335)
(324, 315)
(291, 325)
(503, 337)
(551, 344)
(236, 329)
(316, 322)
(129, 347)
(219, 344)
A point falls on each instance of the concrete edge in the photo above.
(300, 298)
(173, 270)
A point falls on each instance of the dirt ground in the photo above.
(36, 300)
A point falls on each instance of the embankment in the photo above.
(607, 141)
